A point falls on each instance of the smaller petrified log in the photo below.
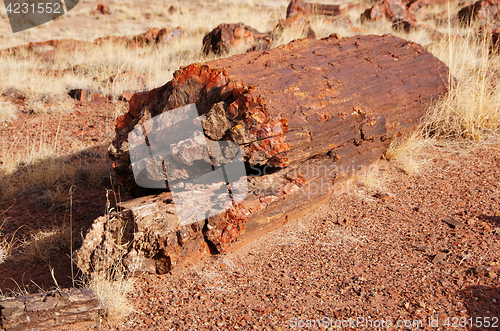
(404, 15)
(226, 37)
(46, 49)
(299, 9)
(50, 309)
(154, 36)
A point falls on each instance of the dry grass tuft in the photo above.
(47, 245)
(370, 177)
(471, 109)
(469, 114)
(42, 173)
(408, 154)
(112, 290)
(6, 244)
(8, 112)
(5, 248)
(113, 285)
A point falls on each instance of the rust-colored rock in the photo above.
(306, 116)
(230, 37)
(404, 14)
(127, 96)
(393, 10)
(154, 36)
(417, 10)
(299, 9)
(299, 13)
(101, 9)
(227, 37)
(158, 36)
(46, 50)
(79, 94)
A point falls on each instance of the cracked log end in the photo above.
(305, 115)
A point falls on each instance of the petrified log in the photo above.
(305, 116)
(46, 49)
(298, 9)
(154, 36)
(234, 36)
(50, 309)
(403, 14)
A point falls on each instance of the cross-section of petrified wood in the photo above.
(305, 115)
(50, 309)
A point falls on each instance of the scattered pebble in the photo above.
(423, 248)
(383, 196)
(439, 258)
(454, 224)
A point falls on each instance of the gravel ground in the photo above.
(423, 255)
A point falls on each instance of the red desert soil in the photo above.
(359, 256)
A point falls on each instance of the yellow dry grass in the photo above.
(471, 110)
(39, 170)
(112, 290)
(469, 114)
(46, 245)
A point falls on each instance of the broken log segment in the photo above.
(227, 37)
(306, 116)
(298, 9)
(50, 309)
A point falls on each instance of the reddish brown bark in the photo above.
(299, 9)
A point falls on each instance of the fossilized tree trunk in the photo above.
(306, 116)
(50, 309)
